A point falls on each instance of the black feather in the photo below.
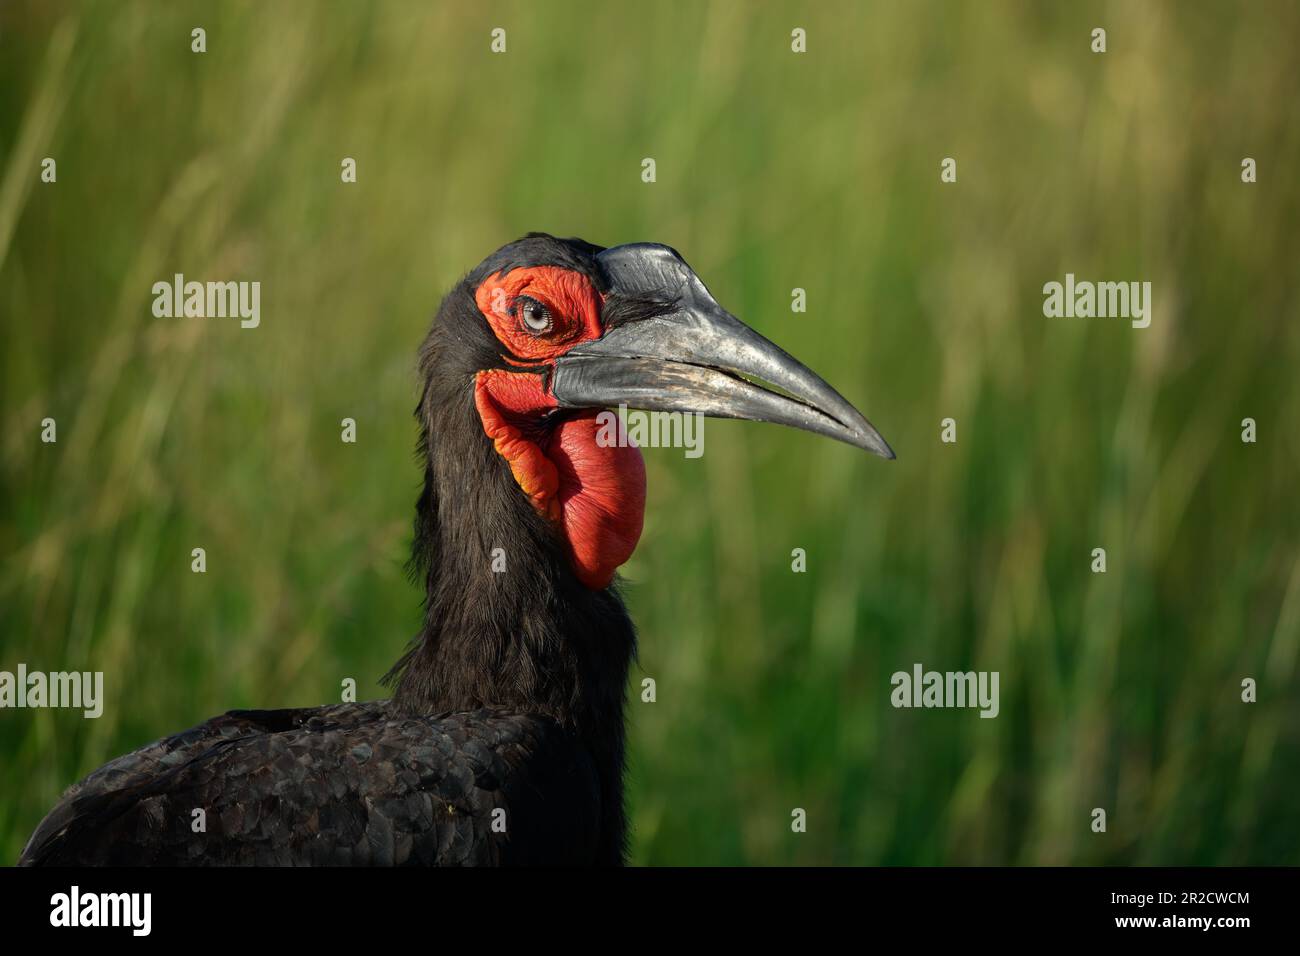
(510, 697)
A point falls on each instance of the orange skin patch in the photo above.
(601, 495)
(506, 401)
(593, 492)
(569, 297)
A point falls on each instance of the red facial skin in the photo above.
(594, 494)
(573, 303)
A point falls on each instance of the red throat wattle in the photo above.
(591, 488)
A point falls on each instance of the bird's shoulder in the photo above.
(349, 784)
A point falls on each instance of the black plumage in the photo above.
(351, 785)
(548, 656)
(504, 739)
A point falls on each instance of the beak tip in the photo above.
(868, 439)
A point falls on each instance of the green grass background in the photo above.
(775, 171)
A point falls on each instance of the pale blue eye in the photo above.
(533, 315)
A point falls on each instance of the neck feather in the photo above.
(506, 621)
(528, 636)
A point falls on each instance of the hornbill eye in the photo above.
(533, 316)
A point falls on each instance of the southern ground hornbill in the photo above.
(503, 741)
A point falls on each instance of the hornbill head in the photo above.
(556, 331)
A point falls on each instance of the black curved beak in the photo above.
(695, 356)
